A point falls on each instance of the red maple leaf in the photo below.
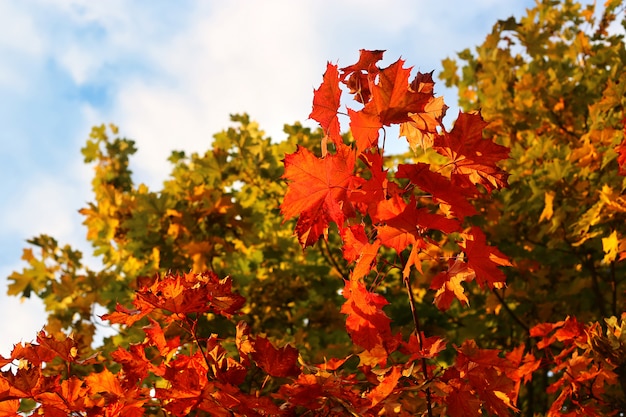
(386, 386)
(50, 347)
(393, 99)
(376, 188)
(449, 284)
(484, 259)
(326, 101)
(405, 224)
(473, 158)
(365, 126)
(70, 397)
(358, 77)
(480, 373)
(428, 348)
(318, 191)
(367, 323)
(440, 187)
(367, 59)
(180, 295)
(279, 362)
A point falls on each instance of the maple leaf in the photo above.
(405, 223)
(376, 188)
(326, 100)
(441, 188)
(386, 386)
(610, 246)
(367, 323)
(485, 373)
(474, 159)
(70, 397)
(428, 348)
(357, 247)
(279, 362)
(318, 191)
(367, 59)
(134, 362)
(365, 126)
(105, 384)
(354, 239)
(9, 408)
(449, 286)
(128, 317)
(50, 347)
(27, 382)
(359, 76)
(367, 260)
(333, 364)
(392, 97)
(484, 260)
(193, 293)
(421, 130)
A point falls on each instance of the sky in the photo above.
(169, 74)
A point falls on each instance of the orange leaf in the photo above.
(367, 323)
(393, 99)
(441, 188)
(449, 286)
(105, 384)
(326, 101)
(49, 348)
(406, 223)
(318, 191)
(473, 158)
(386, 386)
(365, 126)
(279, 362)
(484, 259)
(367, 59)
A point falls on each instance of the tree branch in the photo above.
(416, 323)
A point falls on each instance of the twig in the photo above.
(407, 284)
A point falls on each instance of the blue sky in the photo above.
(169, 74)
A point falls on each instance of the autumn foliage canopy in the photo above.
(363, 284)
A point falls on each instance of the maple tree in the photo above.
(416, 284)
(551, 84)
(177, 356)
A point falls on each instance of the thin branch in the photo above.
(511, 312)
(329, 257)
(193, 324)
(614, 289)
(416, 323)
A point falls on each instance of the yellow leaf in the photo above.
(610, 247)
(613, 200)
(548, 209)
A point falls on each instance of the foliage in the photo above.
(371, 308)
(552, 86)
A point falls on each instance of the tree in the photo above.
(415, 284)
(552, 86)
(178, 351)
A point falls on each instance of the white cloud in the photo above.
(43, 207)
(22, 319)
